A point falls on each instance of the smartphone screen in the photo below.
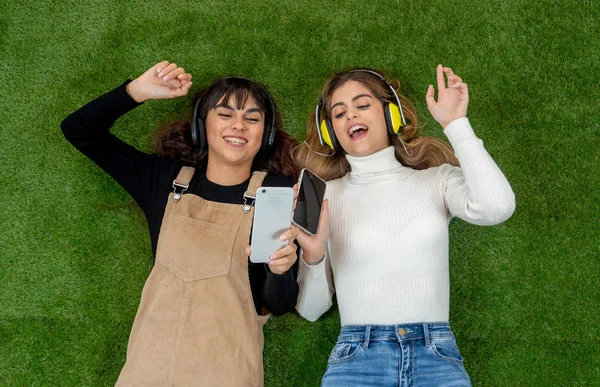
(309, 202)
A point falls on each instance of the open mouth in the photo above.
(237, 141)
(358, 131)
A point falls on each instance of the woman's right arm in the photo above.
(88, 129)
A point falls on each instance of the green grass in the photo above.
(74, 247)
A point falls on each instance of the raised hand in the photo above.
(453, 99)
(163, 80)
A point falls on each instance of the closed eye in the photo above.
(363, 107)
(225, 115)
(340, 115)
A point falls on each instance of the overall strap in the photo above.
(182, 182)
(255, 182)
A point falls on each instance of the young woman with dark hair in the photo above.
(204, 304)
(382, 244)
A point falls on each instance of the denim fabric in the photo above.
(396, 355)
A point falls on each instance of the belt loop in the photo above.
(367, 336)
(426, 335)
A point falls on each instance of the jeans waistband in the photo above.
(401, 332)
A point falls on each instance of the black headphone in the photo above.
(199, 129)
(394, 117)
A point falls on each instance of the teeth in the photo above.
(357, 127)
(235, 140)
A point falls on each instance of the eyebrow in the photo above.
(353, 99)
(224, 105)
(229, 107)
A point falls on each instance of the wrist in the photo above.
(312, 259)
(134, 91)
(447, 122)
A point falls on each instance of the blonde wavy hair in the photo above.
(423, 152)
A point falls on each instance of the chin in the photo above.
(363, 151)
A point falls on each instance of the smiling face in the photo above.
(234, 133)
(358, 119)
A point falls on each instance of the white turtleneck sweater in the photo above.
(388, 245)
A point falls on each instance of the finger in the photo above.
(456, 85)
(323, 228)
(248, 250)
(185, 77)
(167, 70)
(452, 79)
(448, 72)
(176, 83)
(440, 79)
(186, 87)
(283, 252)
(181, 91)
(304, 239)
(283, 262)
(277, 270)
(173, 74)
(296, 188)
(161, 65)
(464, 92)
(290, 234)
(429, 97)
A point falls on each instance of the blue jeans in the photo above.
(396, 355)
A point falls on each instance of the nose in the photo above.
(238, 122)
(351, 114)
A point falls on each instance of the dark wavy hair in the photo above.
(173, 140)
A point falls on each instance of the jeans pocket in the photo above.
(445, 348)
(343, 351)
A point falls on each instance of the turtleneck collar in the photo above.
(376, 164)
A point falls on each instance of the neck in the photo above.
(227, 174)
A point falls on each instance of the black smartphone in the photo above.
(309, 202)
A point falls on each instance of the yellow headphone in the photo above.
(394, 117)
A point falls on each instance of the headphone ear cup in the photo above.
(194, 132)
(335, 145)
(325, 132)
(201, 134)
(268, 138)
(393, 119)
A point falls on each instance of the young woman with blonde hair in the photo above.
(382, 244)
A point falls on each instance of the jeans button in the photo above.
(401, 331)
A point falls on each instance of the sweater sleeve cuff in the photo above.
(459, 131)
(128, 102)
(314, 271)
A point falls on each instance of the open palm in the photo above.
(453, 99)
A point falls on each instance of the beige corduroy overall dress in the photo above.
(197, 324)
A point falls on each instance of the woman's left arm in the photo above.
(478, 192)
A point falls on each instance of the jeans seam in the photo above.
(442, 357)
(347, 357)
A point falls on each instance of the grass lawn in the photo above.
(74, 247)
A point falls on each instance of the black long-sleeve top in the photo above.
(148, 178)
